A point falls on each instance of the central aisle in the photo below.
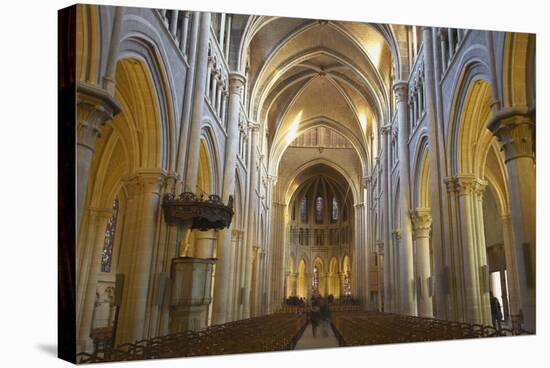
(324, 338)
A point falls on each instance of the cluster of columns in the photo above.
(217, 89)
(407, 296)
(177, 23)
(514, 128)
(449, 39)
(224, 279)
(422, 221)
(139, 260)
(471, 273)
(416, 100)
(457, 275)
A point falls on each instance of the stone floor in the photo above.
(324, 338)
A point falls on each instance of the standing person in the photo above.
(496, 312)
(325, 315)
(314, 317)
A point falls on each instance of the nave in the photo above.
(293, 330)
(391, 166)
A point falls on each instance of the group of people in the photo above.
(294, 301)
(320, 312)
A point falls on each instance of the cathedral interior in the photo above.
(387, 170)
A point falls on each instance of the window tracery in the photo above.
(107, 254)
(319, 209)
(303, 209)
(335, 210)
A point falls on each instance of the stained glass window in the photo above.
(319, 209)
(347, 284)
(107, 255)
(303, 209)
(334, 215)
(315, 279)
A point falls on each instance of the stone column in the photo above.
(197, 110)
(184, 30)
(407, 302)
(481, 252)
(222, 308)
(360, 288)
(443, 45)
(293, 280)
(214, 91)
(511, 267)
(232, 275)
(252, 197)
(514, 128)
(386, 169)
(257, 268)
(394, 274)
(209, 75)
(440, 231)
(422, 221)
(96, 229)
(205, 244)
(201, 68)
(187, 104)
(379, 280)
(453, 275)
(108, 80)
(465, 186)
(174, 23)
(238, 275)
(95, 106)
(136, 254)
(219, 97)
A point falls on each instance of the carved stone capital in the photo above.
(98, 213)
(236, 83)
(253, 126)
(145, 181)
(386, 129)
(464, 184)
(367, 180)
(95, 106)
(170, 182)
(450, 184)
(479, 188)
(422, 222)
(514, 128)
(469, 185)
(396, 234)
(401, 90)
(380, 246)
(506, 219)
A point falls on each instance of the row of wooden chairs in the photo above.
(293, 309)
(266, 333)
(369, 328)
(345, 307)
